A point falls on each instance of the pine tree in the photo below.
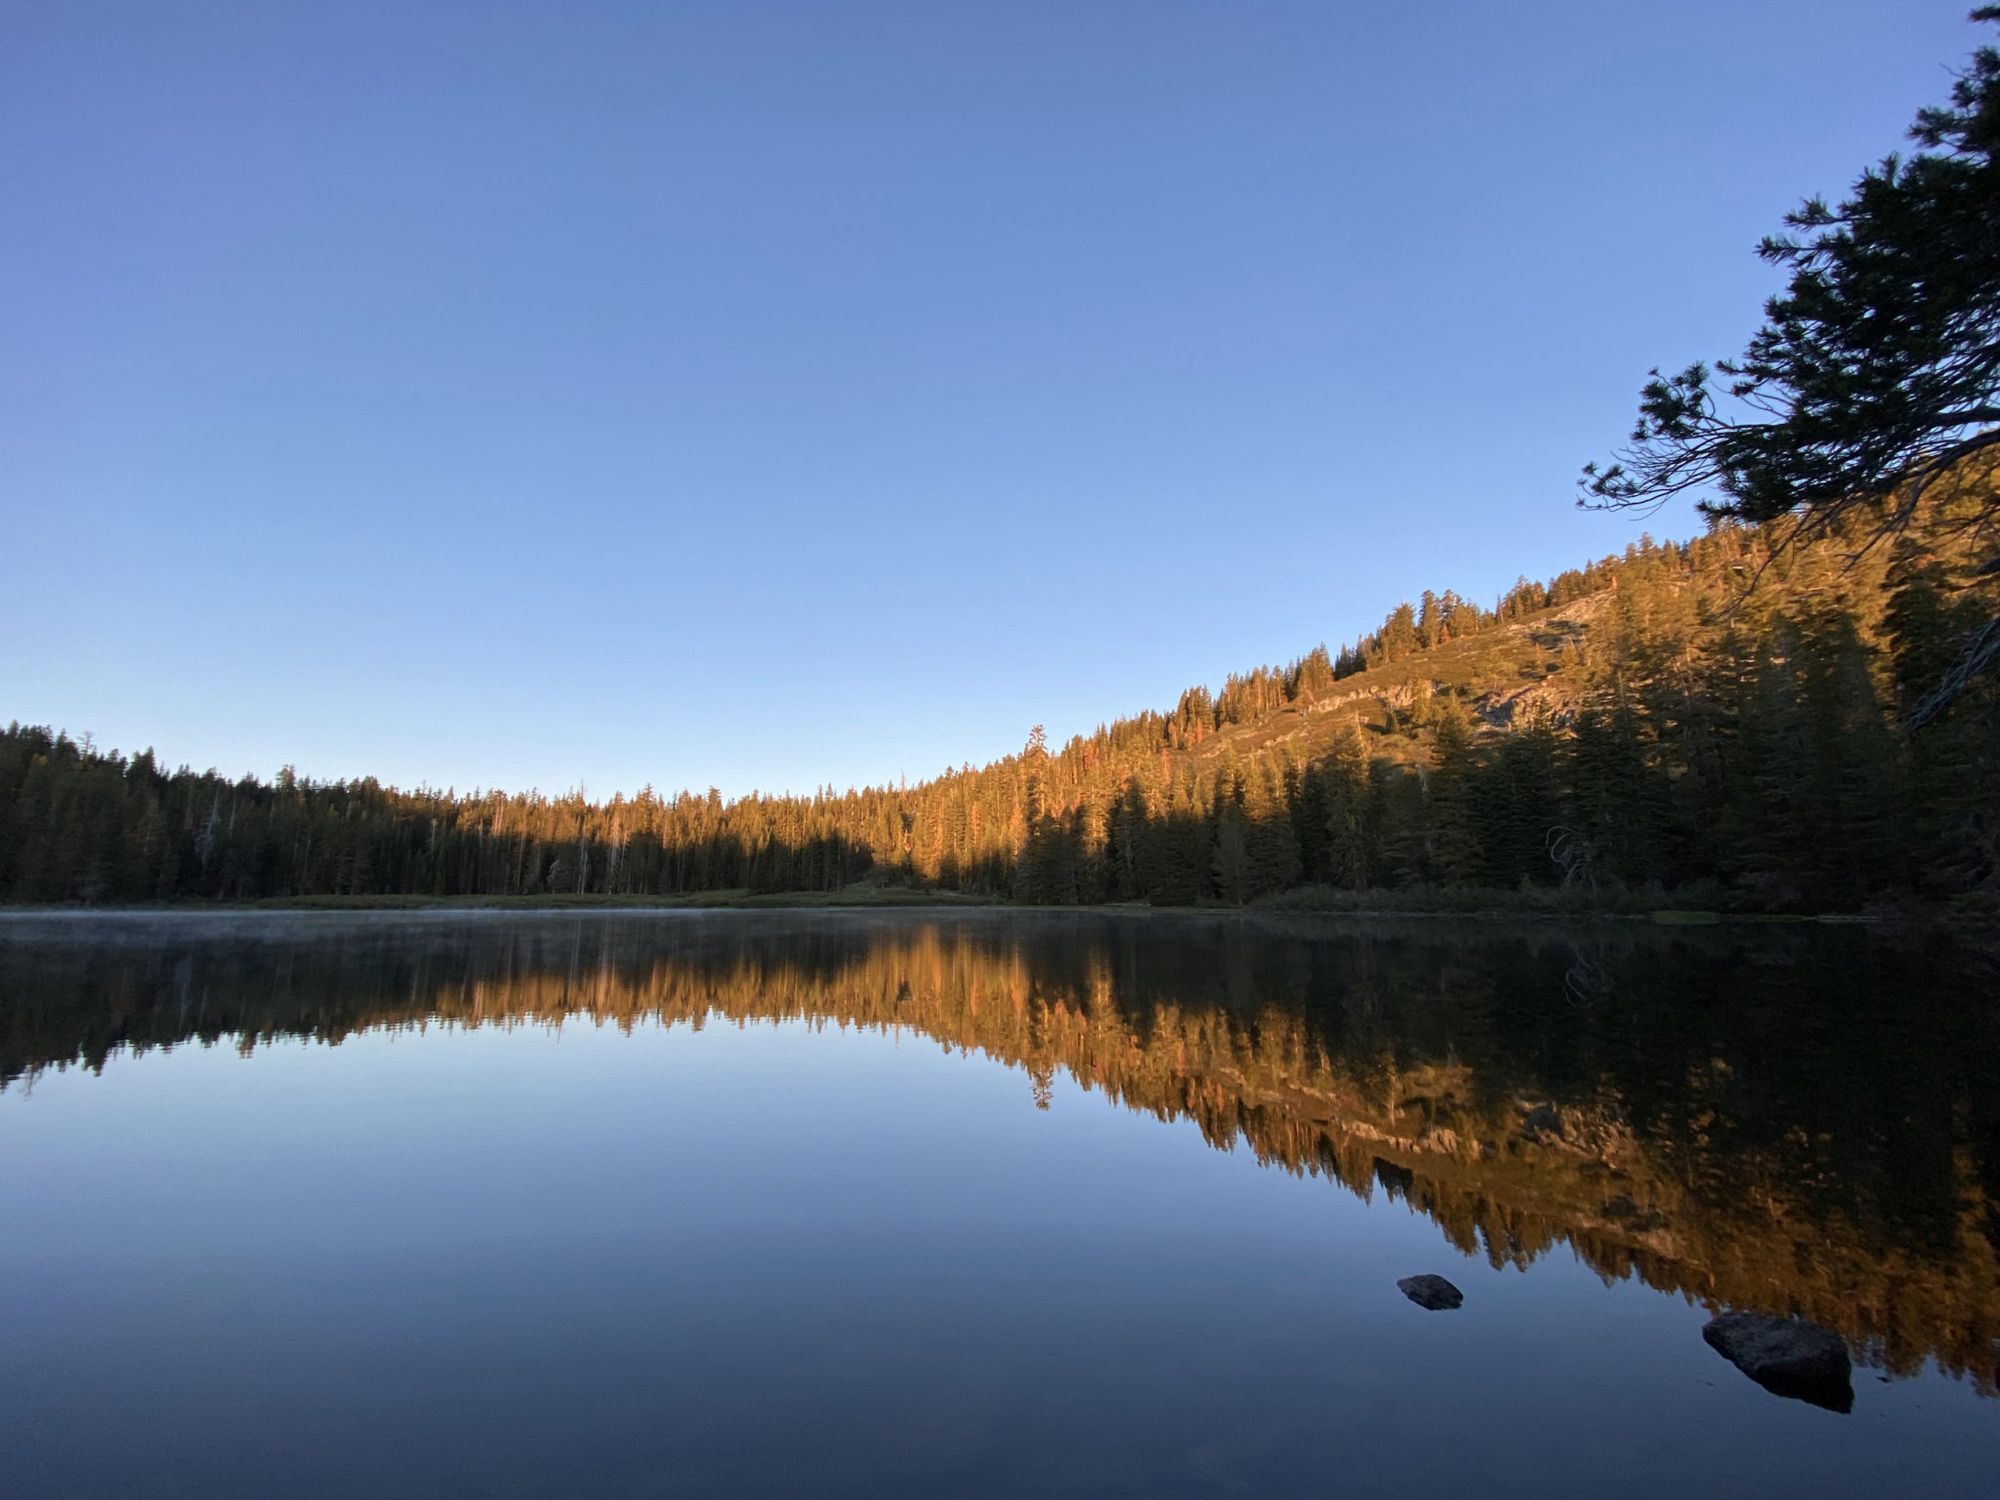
(1306, 796)
(1232, 856)
(1454, 855)
(1517, 804)
(1954, 759)
(1273, 844)
(1346, 778)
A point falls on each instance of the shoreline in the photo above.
(917, 900)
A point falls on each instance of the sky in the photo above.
(785, 395)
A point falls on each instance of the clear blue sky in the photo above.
(768, 395)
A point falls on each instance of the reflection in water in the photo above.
(1793, 1122)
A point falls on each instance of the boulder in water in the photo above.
(1786, 1356)
(1431, 1292)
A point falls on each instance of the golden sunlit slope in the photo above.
(1537, 666)
(1727, 716)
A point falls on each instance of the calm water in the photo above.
(933, 1204)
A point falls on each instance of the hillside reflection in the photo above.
(1786, 1122)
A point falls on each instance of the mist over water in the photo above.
(631, 1203)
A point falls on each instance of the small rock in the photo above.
(1786, 1356)
(1432, 1292)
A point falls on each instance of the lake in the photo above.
(983, 1203)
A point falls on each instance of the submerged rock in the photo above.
(1786, 1356)
(1432, 1292)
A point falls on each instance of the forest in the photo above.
(1729, 721)
(1794, 711)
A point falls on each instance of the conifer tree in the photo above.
(1454, 852)
(1346, 777)
(1273, 850)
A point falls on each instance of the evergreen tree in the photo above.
(1273, 843)
(1346, 777)
(1454, 855)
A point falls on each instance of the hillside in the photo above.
(1724, 718)
(1515, 671)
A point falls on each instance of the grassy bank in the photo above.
(1695, 906)
(857, 896)
(1471, 900)
(1692, 908)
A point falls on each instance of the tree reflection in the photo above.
(1795, 1123)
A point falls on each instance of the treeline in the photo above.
(1691, 732)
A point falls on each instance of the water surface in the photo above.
(944, 1203)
